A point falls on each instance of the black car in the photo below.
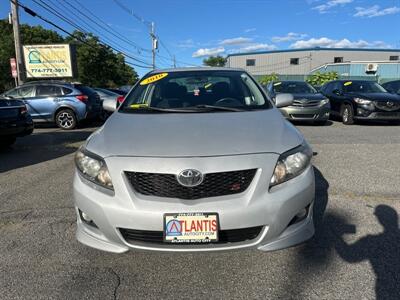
(354, 100)
(15, 121)
(392, 86)
(118, 91)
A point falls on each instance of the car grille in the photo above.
(224, 236)
(387, 105)
(306, 103)
(213, 185)
(302, 116)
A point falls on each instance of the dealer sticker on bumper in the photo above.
(191, 228)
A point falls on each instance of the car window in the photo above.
(85, 89)
(22, 92)
(66, 91)
(362, 87)
(197, 88)
(48, 91)
(292, 87)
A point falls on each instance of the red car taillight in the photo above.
(82, 98)
(120, 99)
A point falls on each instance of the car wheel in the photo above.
(66, 119)
(347, 115)
(7, 142)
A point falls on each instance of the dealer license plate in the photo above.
(191, 228)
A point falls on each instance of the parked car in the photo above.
(309, 105)
(354, 100)
(195, 159)
(15, 121)
(64, 103)
(108, 99)
(392, 86)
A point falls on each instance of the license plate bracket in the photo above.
(191, 228)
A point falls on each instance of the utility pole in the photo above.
(154, 45)
(17, 41)
(174, 61)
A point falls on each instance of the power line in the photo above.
(73, 24)
(105, 26)
(155, 39)
(34, 14)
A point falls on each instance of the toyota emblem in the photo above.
(190, 178)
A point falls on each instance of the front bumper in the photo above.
(17, 128)
(317, 113)
(257, 206)
(383, 116)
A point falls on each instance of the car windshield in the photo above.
(363, 87)
(294, 88)
(192, 91)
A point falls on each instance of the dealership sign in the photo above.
(48, 61)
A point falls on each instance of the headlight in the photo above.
(325, 101)
(93, 168)
(291, 164)
(362, 101)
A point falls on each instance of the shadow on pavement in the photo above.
(381, 250)
(39, 147)
(316, 256)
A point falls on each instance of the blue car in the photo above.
(64, 103)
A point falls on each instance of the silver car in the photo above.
(195, 159)
(308, 105)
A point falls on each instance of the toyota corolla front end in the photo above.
(195, 160)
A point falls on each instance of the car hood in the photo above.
(376, 96)
(309, 96)
(194, 134)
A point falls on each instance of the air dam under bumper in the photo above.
(257, 206)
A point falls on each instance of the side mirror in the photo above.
(110, 105)
(337, 92)
(282, 100)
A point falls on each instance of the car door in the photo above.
(46, 101)
(333, 91)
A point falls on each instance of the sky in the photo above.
(191, 30)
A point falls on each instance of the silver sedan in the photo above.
(196, 159)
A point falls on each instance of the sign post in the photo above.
(14, 71)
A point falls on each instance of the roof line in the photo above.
(316, 49)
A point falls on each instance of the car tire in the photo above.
(66, 119)
(7, 142)
(347, 114)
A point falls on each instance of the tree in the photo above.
(215, 61)
(318, 78)
(98, 65)
(264, 80)
(29, 35)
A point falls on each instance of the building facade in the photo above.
(300, 62)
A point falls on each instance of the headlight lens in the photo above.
(291, 164)
(325, 101)
(93, 168)
(362, 101)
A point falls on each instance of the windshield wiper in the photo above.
(215, 107)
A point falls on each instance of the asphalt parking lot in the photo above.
(354, 254)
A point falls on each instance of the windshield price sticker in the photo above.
(153, 78)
